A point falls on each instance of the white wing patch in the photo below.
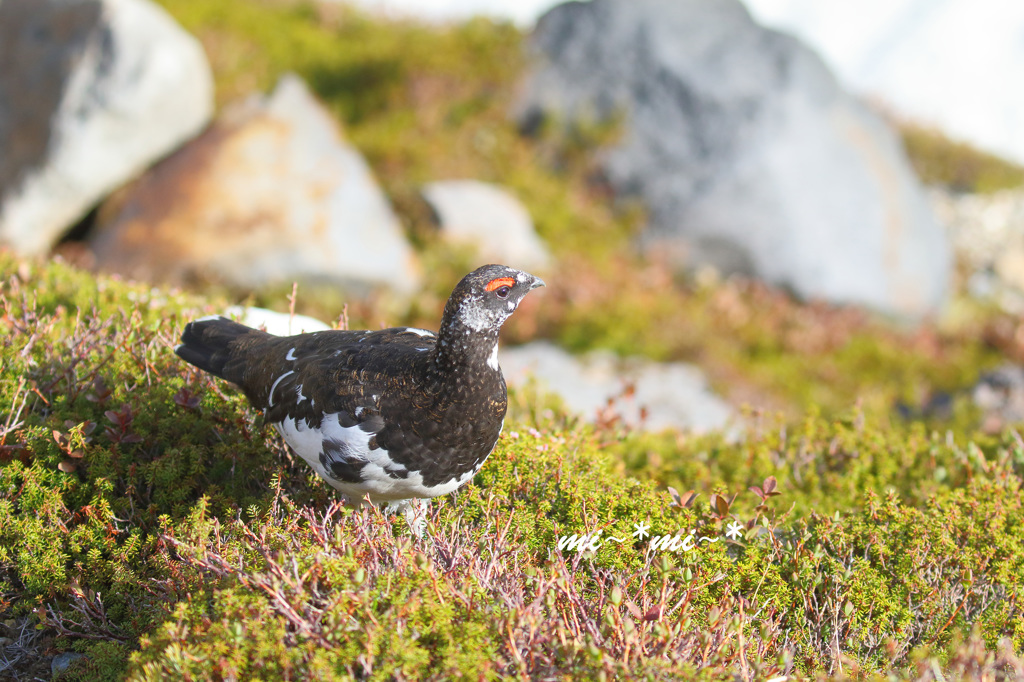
(420, 332)
(298, 394)
(291, 356)
(270, 396)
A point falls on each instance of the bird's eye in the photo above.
(503, 292)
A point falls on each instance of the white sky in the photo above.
(957, 64)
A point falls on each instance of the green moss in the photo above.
(822, 465)
(956, 165)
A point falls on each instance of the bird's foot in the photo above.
(415, 512)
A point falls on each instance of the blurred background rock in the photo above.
(794, 197)
(91, 94)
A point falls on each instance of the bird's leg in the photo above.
(356, 503)
(416, 516)
(415, 512)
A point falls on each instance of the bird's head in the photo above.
(485, 298)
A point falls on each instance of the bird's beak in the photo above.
(537, 282)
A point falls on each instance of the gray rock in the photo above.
(62, 661)
(747, 154)
(91, 93)
(671, 395)
(270, 193)
(999, 394)
(489, 218)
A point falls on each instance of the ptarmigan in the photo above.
(398, 414)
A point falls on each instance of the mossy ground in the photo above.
(150, 521)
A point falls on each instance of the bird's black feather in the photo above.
(432, 406)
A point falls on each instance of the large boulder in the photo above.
(490, 220)
(91, 93)
(270, 193)
(747, 154)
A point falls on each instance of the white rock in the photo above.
(91, 93)
(522, 12)
(988, 235)
(982, 226)
(674, 395)
(270, 193)
(278, 324)
(491, 219)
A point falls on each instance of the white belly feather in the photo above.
(308, 443)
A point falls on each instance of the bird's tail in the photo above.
(206, 343)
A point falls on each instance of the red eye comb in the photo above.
(500, 282)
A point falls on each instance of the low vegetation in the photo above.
(956, 165)
(150, 522)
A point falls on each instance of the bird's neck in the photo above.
(461, 348)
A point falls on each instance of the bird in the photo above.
(400, 415)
